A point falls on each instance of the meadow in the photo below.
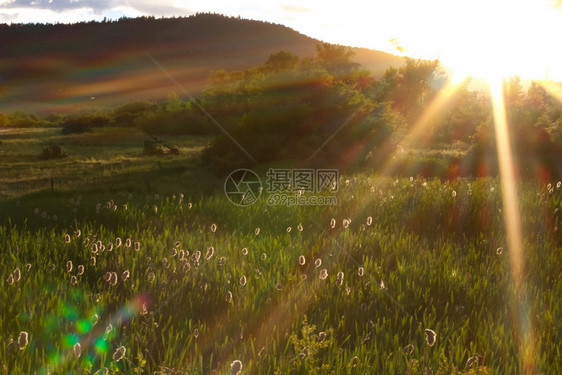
(137, 264)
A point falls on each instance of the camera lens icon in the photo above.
(243, 187)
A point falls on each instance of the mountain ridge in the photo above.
(67, 67)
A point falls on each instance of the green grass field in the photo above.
(303, 289)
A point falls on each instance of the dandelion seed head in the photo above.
(317, 262)
(323, 274)
(228, 296)
(221, 261)
(10, 279)
(128, 242)
(257, 231)
(243, 280)
(346, 223)
(67, 238)
(210, 253)
(107, 276)
(119, 353)
(299, 227)
(245, 251)
(236, 367)
(369, 220)
(408, 349)
(361, 271)
(118, 242)
(95, 248)
(73, 280)
(196, 333)
(23, 340)
(333, 223)
(137, 246)
(263, 256)
(110, 247)
(430, 337)
(454, 193)
(126, 275)
(321, 336)
(69, 266)
(17, 274)
(499, 250)
(302, 260)
(288, 229)
(213, 228)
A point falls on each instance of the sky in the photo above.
(477, 37)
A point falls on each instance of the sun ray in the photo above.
(419, 129)
(512, 222)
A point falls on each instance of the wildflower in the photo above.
(126, 275)
(263, 256)
(299, 227)
(93, 261)
(174, 251)
(151, 277)
(78, 233)
(73, 280)
(321, 336)
(302, 260)
(10, 279)
(354, 361)
(245, 251)
(196, 255)
(235, 367)
(23, 340)
(119, 353)
(228, 296)
(118, 242)
(499, 250)
(28, 266)
(333, 223)
(243, 280)
(110, 247)
(36, 211)
(107, 277)
(210, 253)
(361, 271)
(279, 286)
(128, 242)
(181, 255)
(137, 246)
(189, 205)
(382, 286)
(213, 227)
(346, 223)
(69, 266)
(454, 194)
(430, 337)
(77, 350)
(369, 220)
(323, 274)
(67, 238)
(347, 290)
(95, 248)
(257, 231)
(317, 262)
(288, 229)
(17, 274)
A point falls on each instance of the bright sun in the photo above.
(490, 39)
(515, 38)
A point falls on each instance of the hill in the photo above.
(62, 67)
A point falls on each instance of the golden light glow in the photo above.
(512, 222)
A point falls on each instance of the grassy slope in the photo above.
(434, 250)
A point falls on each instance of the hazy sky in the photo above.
(518, 37)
